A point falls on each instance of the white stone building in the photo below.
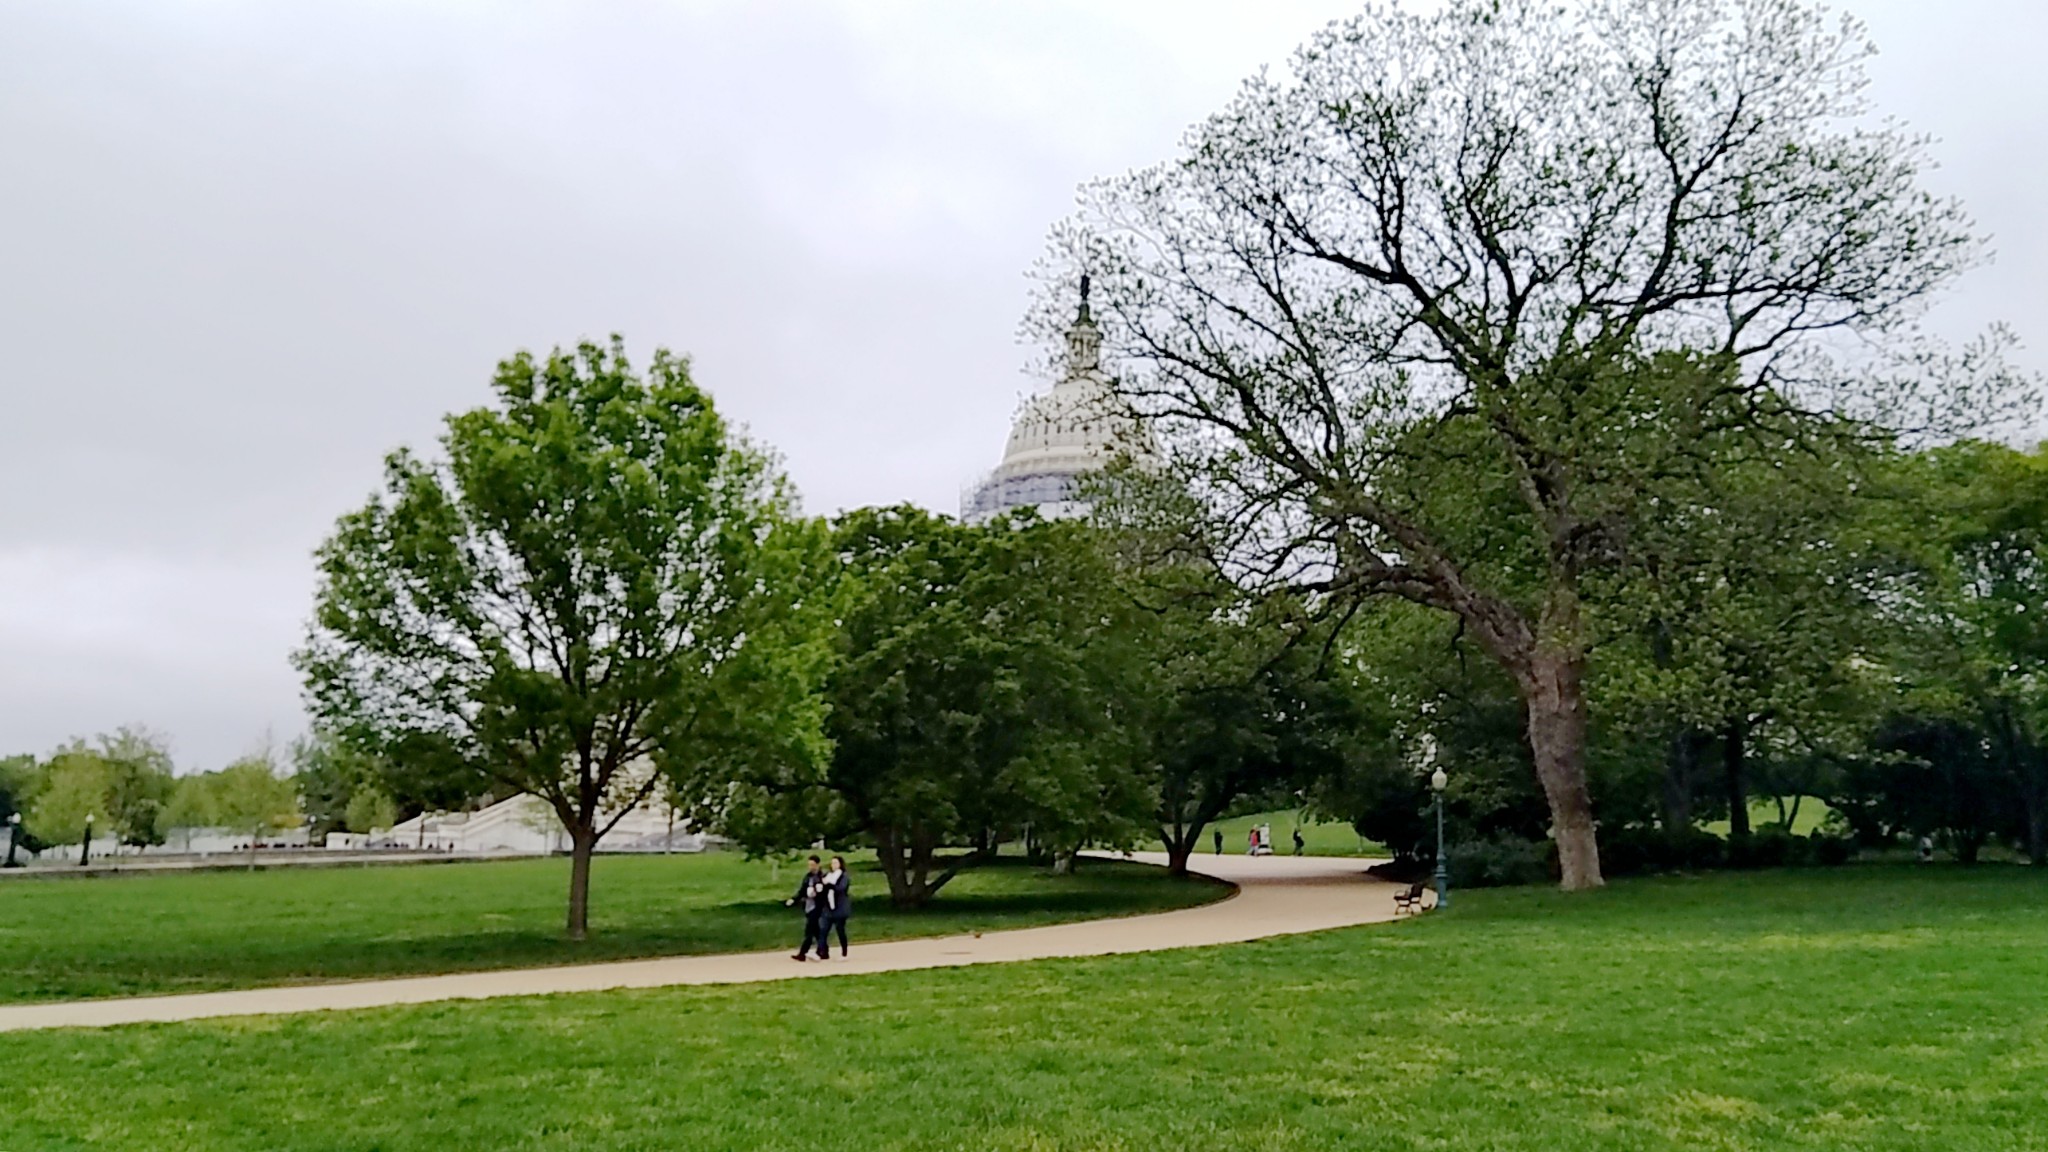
(1078, 427)
(526, 825)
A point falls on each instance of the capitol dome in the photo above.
(1078, 427)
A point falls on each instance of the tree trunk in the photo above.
(1966, 844)
(897, 875)
(1681, 768)
(906, 862)
(1734, 756)
(1180, 839)
(1554, 691)
(582, 842)
(1177, 854)
(2028, 767)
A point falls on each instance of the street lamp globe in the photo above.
(1437, 780)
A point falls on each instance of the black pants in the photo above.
(814, 930)
(824, 943)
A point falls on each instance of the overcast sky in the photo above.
(246, 249)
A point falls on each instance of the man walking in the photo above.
(1299, 843)
(1217, 835)
(810, 894)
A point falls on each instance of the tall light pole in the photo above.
(1437, 780)
(85, 845)
(13, 838)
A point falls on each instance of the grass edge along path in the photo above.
(66, 940)
(1271, 897)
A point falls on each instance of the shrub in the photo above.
(1631, 850)
(1634, 850)
(1771, 847)
(1502, 862)
(1831, 850)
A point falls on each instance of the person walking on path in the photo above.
(810, 895)
(1217, 835)
(838, 906)
(1299, 843)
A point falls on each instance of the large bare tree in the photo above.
(1430, 315)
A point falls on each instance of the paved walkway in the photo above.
(1277, 896)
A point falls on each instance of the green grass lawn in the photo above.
(126, 935)
(1859, 1008)
(1764, 814)
(1319, 839)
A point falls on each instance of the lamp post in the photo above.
(13, 838)
(1437, 780)
(85, 845)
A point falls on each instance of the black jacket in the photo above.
(810, 893)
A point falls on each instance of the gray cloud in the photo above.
(248, 248)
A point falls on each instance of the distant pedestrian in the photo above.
(839, 906)
(1299, 843)
(810, 896)
(1217, 834)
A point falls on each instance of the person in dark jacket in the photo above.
(810, 896)
(1217, 835)
(838, 904)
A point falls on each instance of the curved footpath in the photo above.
(1277, 896)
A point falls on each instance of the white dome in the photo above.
(1081, 426)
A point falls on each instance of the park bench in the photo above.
(1410, 900)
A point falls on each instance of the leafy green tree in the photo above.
(18, 778)
(253, 798)
(330, 775)
(139, 784)
(1745, 618)
(968, 700)
(599, 583)
(1232, 698)
(136, 798)
(1937, 776)
(122, 779)
(1973, 725)
(191, 806)
(1224, 695)
(369, 809)
(1547, 250)
(73, 787)
(2001, 550)
(1417, 675)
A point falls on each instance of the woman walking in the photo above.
(838, 886)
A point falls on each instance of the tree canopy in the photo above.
(597, 583)
(1432, 316)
